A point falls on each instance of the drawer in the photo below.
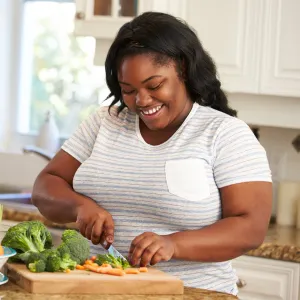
(266, 279)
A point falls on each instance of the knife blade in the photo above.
(113, 251)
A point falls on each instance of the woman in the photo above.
(171, 176)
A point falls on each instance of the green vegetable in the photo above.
(27, 236)
(115, 262)
(75, 245)
(37, 266)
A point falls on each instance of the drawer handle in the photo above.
(241, 283)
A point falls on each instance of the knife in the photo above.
(113, 251)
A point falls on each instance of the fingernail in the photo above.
(109, 239)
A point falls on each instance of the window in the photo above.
(57, 71)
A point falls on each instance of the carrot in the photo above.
(131, 271)
(91, 268)
(88, 262)
(104, 270)
(116, 272)
(95, 265)
(80, 267)
(68, 271)
(1, 250)
(106, 265)
(143, 269)
(93, 258)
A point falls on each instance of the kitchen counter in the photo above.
(11, 291)
(281, 242)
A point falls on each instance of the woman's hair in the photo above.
(167, 39)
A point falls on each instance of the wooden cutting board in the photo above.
(154, 282)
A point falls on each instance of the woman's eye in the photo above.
(128, 92)
(153, 88)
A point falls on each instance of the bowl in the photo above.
(8, 252)
(3, 278)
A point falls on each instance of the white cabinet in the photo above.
(103, 18)
(230, 31)
(267, 279)
(281, 49)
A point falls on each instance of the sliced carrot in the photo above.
(104, 270)
(131, 271)
(93, 258)
(115, 272)
(91, 268)
(106, 265)
(80, 267)
(88, 262)
(1, 250)
(95, 265)
(143, 269)
(119, 268)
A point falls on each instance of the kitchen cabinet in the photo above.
(103, 18)
(281, 48)
(266, 279)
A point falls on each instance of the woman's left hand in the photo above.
(151, 248)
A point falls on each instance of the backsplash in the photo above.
(283, 158)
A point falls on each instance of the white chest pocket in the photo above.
(187, 178)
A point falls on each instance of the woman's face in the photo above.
(154, 92)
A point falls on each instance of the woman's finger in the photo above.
(148, 254)
(140, 247)
(96, 232)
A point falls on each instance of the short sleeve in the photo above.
(80, 145)
(239, 157)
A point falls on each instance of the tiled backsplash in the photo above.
(283, 158)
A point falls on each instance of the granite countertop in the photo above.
(281, 242)
(11, 291)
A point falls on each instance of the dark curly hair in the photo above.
(167, 39)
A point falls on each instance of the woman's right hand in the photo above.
(95, 223)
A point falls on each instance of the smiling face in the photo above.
(154, 92)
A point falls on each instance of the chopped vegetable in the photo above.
(80, 267)
(132, 271)
(93, 258)
(116, 272)
(75, 245)
(143, 269)
(115, 262)
(37, 266)
(28, 236)
(1, 250)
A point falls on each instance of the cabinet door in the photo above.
(230, 31)
(103, 18)
(266, 279)
(281, 49)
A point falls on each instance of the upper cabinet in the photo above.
(281, 49)
(255, 43)
(230, 31)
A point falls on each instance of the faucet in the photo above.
(39, 151)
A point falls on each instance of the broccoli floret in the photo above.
(30, 257)
(75, 245)
(115, 262)
(37, 266)
(57, 263)
(28, 236)
(53, 263)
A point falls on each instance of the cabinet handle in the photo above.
(80, 16)
(241, 283)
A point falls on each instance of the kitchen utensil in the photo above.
(112, 251)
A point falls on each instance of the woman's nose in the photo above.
(142, 99)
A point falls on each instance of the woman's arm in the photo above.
(246, 214)
(53, 194)
(55, 198)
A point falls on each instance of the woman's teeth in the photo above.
(151, 111)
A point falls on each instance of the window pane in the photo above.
(57, 69)
(102, 7)
(128, 8)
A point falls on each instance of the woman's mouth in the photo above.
(152, 111)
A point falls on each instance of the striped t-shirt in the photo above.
(170, 187)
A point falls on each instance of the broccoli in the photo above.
(37, 266)
(28, 236)
(75, 245)
(115, 262)
(57, 263)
